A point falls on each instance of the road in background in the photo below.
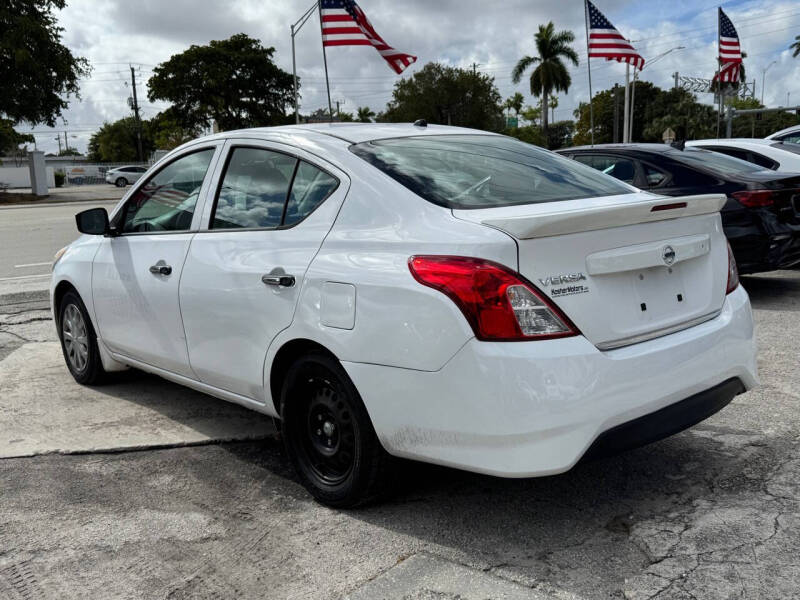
(29, 237)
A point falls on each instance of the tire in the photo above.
(79, 341)
(121, 182)
(328, 434)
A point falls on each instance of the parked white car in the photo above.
(434, 293)
(123, 176)
(790, 134)
(770, 154)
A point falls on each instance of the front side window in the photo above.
(617, 166)
(483, 171)
(791, 138)
(166, 202)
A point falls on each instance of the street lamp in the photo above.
(633, 87)
(764, 77)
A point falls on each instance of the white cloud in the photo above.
(459, 32)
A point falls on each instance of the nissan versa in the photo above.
(434, 293)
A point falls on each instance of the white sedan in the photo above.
(123, 176)
(770, 154)
(434, 293)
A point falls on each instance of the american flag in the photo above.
(345, 24)
(606, 42)
(730, 53)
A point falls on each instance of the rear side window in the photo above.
(264, 189)
(653, 176)
(483, 171)
(310, 187)
(254, 189)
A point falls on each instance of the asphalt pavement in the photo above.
(31, 234)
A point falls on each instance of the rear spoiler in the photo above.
(605, 217)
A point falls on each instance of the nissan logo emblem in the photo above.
(668, 255)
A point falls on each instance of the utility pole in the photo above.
(676, 76)
(139, 152)
(475, 68)
(66, 142)
(58, 137)
(338, 111)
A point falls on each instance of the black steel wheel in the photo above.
(328, 434)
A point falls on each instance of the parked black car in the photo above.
(761, 217)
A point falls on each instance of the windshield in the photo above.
(714, 161)
(483, 171)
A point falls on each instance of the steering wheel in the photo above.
(473, 187)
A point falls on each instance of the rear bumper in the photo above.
(535, 408)
(665, 422)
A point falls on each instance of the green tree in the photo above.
(515, 103)
(233, 82)
(167, 132)
(448, 96)
(550, 73)
(655, 110)
(364, 114)
(38, 73)
(795, 46)
(69, 152)
(10, 139)
(116, 142)
(531, 114)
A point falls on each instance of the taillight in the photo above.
(733, 272)
(498, 303)
(755, 198)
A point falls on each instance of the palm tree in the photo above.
(796, 46)
(550, 73)
(365, 114)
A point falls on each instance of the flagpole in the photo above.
(719, 71)
(294, 29)
(589, 67)
(325, 61)
(626, 106)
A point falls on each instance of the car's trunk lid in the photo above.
(623, 268)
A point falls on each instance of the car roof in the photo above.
(355, 133)
(642, 146)
(791, 129)
(733, 142)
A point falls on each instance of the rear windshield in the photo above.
(483, 171)
(714, 161)
(788, 146)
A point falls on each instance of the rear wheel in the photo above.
(328, 434)
(121, 182)
(78, 341)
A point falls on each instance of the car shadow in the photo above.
(215, 419)
(539, 525)
(779, 290)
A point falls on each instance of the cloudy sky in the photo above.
(117, 33)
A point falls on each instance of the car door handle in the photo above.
(282, 280)
(161, 269)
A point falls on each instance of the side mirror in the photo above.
(93, 221)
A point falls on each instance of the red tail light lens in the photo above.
(733, 272)
(498, 303)
(755, 198)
